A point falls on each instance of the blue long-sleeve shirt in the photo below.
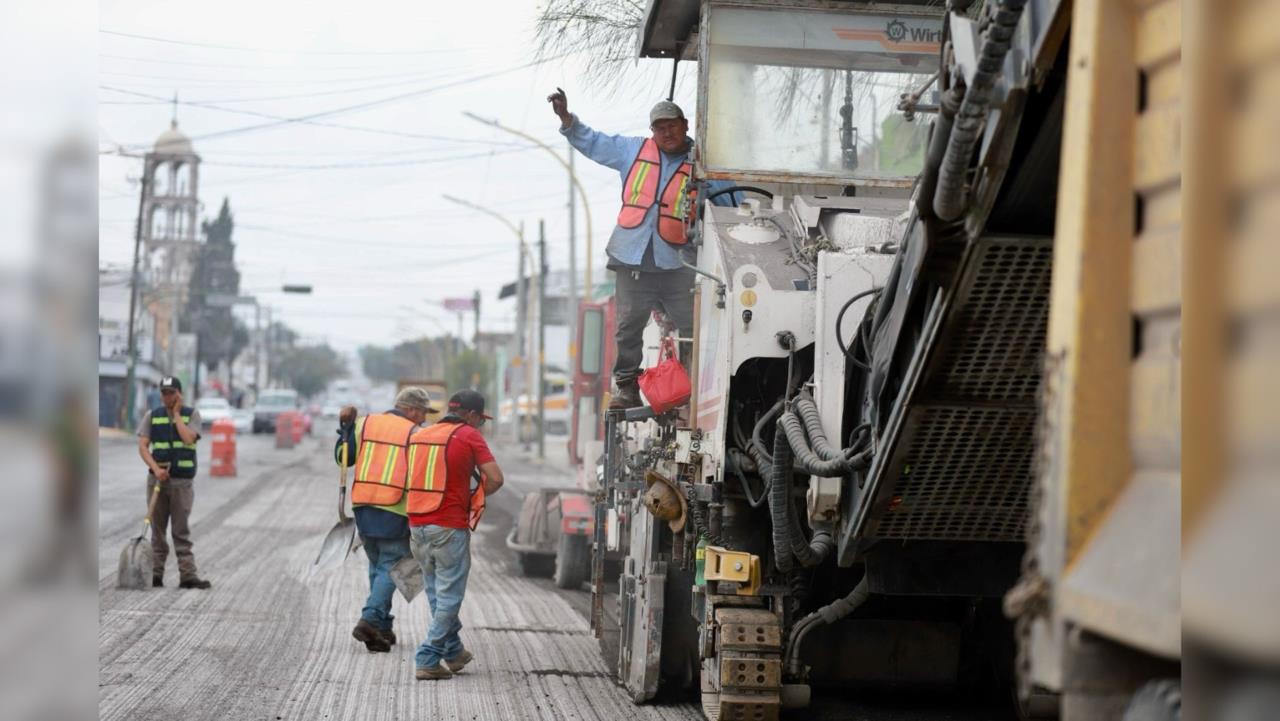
(635, 248)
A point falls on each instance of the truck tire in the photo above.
(536, 565)
(1156, 701)
(573, 559)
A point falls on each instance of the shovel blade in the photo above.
(406, 574)
(135, 564)
(336, 546)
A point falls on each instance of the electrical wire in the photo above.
(241, 48)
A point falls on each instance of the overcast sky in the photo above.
(369, 230)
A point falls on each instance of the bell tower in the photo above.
(170, 232)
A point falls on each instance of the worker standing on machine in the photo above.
(649, 246)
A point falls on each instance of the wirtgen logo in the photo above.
(896, 31)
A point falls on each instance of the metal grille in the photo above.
(997, 354)
(966, 476)
(965, 458)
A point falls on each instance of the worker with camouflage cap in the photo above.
(376, 446)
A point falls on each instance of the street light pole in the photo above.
(542, 340)
(573, 179)
(126, 413)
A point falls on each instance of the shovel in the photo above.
(136, 558)
(341, 538)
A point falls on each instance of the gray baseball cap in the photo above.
(415, 397)
(665, 110)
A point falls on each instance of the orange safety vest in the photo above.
(429, 471)
(641, 191)
(382, 472)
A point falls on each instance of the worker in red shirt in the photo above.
(443, 510)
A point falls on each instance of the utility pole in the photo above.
(522, 352)
(267, 343)
(126, 413)
(542, 340)
(475, 304)
(573, 268)
(257, 353)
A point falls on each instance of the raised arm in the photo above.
(611, 151)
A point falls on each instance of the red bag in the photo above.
(666, 385)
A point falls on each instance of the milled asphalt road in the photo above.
(268, 642)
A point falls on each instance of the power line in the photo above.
(310, 117)
(256, 66)
(241, 48)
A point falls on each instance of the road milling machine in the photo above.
(846, 500)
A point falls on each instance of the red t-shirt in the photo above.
(466, 450)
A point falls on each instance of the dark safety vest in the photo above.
(640, 192)
(167, 447)
(382, 468)
(429, 472)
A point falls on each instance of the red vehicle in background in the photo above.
(552, 536)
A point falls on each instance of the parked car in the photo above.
(243, 418)
(330, 412)
(213, 408)
(271, 404)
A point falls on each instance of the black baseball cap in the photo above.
(468, 400)
(170, 383)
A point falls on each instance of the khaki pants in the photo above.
(173, 505)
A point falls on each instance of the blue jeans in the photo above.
(383, 554)
(445, 556)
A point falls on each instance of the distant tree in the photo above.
(471, 369)
(310, 369)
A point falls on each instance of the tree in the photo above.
(310, 369)
(471, 369)
(604, 30)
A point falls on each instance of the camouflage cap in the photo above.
(415, 397)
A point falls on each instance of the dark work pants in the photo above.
(173, 508)
(638, 294)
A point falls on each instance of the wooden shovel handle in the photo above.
(151, 505)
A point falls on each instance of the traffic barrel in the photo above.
(297, 426)
(224, 448)
(284, 430)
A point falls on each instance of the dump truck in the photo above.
(924, 382)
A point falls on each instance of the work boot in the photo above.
(371, 637)
(459, 662)
(193, 582)
(157, 580)
(431, 673)
(389, 636)
(627, 396)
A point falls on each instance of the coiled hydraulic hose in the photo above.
(952, 196)
(824, 616)
(807, 460)
(779, 488)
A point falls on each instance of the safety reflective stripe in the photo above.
(187, 464)
(159, 445)
(390, 464)
(637, 185)
(366, 450)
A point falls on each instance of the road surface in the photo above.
(268, 642)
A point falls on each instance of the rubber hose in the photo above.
(815, 550)
(939, 136)
(824, 616)
(758, 444)
(952, 196)
(779, 487)
(808, 411)
(805, 458)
